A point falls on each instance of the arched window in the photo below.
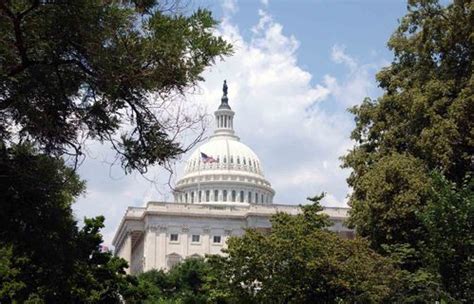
(231, 159)
(199, 196)
(208, 194)
(249, 199)
(256, 198)
(244, 161)
(234, 196)
(216, 195)
(186, 197)
(192, 197)
(225, 159)
(261, 199)
(241, 196)
(224, 196)
(217, 159)
(173, 259)
(238, 160)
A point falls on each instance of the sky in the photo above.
(297, 67)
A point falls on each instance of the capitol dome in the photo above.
(224, 170)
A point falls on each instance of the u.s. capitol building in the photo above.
(222, 193)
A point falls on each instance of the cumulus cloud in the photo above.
(297, 126)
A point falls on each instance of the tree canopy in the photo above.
(71, 71)
(418, 133)
(45, 257)
(300, 261)
(106, 70)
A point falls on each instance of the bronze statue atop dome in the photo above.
(224, 88)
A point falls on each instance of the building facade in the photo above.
(223, 192)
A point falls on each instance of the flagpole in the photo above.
(199, 175)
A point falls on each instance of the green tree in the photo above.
(71, 71)
(92, 69)
(300, 261)
(46, 258)
(184, 283)
(449, 218)
(422, 123)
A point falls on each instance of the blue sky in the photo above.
(298, 66)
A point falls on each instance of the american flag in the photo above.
(207, 159)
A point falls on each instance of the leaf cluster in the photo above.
(413, 144)
(92, 69)
(45, 257)
(300, 261)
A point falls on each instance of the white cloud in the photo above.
(299, 128)
(230, 7)
(339, 55)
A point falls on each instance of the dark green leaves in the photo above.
(71, 70)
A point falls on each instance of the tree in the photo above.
(105, 70)
(71, 71)
(300, 261)
(184, 283)
(423, 123)
(449, 218)
(46, 258)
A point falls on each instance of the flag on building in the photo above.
(207, 159)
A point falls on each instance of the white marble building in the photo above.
(222, 192)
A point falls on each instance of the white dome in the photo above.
(224, 170)
(231, 153)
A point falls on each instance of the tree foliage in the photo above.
(184, 283)
(449, 218)
(45, 257)
(74, 70)
(300, 261)
(71, 71)
(421, 127)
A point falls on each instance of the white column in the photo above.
(150, 249)
(125, 251)
(206, 239)
(161, 247)
(185, 241)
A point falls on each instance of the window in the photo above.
(249, 199)
(174, 237)
(216, 239)
(192, 197)
(244, 161)
(173, 259)
(256, 198)
(234, 195)
(225, 160)
(238, 160)
(241, 196)
(195, 238)
(261, 199)
(208, 194)
(199, 196)
(217, 159)
(186, 197)
(231, 159)
(224, 196)
(216, 195)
